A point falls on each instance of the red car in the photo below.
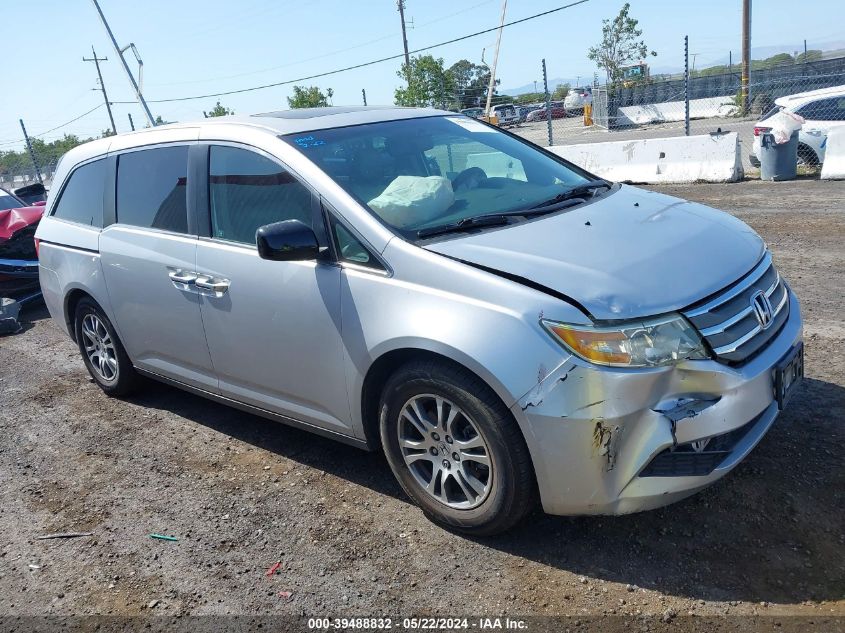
(558, 112)
(18, 256)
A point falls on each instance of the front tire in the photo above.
(102, 352)
(455, 448)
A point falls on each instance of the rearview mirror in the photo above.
(287, 241)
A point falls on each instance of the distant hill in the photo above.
(553, 83)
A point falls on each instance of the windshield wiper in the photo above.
(568, 198)
(493, 219)
(578, 191)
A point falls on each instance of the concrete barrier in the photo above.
(704, 158)
(833, 167)
(674, 111)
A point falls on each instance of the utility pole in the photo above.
(131, 122)
(31, 153)
(364, 95)
(129, 74)
(746, 55)
(97, 61)
(495, 59)
(401, 5)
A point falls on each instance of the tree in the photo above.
(529, 97)
(218, 110)
(106, 133)
(560, 92)
(471, 83)
(428, 83)
(620, 44)
(310, 97)
(812, 55)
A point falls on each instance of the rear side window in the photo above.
(247, 191)
(152, 187)
(82, 198)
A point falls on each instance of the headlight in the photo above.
(632, 344)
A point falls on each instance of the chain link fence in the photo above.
(656, 108)
(17, 175)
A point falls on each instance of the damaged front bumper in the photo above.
(613, 441)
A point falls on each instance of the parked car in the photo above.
(821, 109)
(35, 193)
(524, 110)
(577, 98)
(558, 112)
(18, 256)
(505, 113)
(500, 338)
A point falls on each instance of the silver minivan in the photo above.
(505, 326)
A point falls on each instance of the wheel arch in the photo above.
(72, 299)
(808, 152)
(390, 360)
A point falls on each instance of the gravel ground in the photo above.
(241, 493)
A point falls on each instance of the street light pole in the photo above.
(129, 74)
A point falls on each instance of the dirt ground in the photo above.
(241, 493)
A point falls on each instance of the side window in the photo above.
(82, 198)
(151, 188)
(350, 248)
(821, 110)
(247, 191)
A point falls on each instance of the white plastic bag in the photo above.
(413, 200)
(783, 125)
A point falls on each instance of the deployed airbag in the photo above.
(414, 200)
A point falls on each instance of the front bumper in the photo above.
(594, 433)
(19, 279)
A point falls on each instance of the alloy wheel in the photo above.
(445, 451)
(99, 347)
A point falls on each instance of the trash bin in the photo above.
(778, 161)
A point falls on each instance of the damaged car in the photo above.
(18, 256)
(505, 326)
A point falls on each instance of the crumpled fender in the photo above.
(13, 220)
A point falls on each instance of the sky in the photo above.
(197, 47)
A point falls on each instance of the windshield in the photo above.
(8, 201)
(420, 173)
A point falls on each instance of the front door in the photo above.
(273, 328)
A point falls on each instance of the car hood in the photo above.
(632, 253)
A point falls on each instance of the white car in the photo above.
(577, 98)
(506, 114)
(821, 109)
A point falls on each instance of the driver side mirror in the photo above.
(291, 240)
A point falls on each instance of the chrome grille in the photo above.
(729, 322)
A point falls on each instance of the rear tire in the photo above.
(807, 156)
(102, 352)
(455, 448)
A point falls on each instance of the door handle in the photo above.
(215, 285)
(180, 277)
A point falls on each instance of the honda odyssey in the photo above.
(504, 325)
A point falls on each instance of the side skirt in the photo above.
(264, 413)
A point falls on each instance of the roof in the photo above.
(309, 119)
(277, 123)
(801, 98)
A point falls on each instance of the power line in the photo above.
(364, 64)
(73, 120)
(316, 57)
